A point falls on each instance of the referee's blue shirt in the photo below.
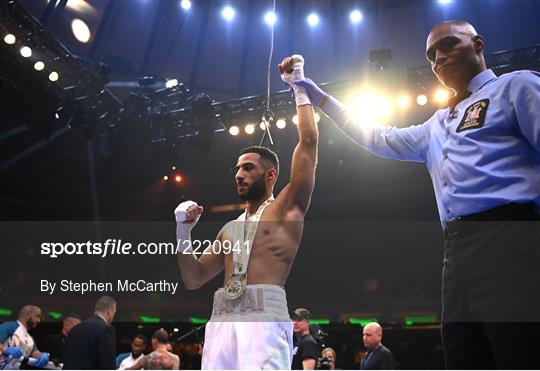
(484, 154)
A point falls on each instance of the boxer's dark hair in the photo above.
(161, 336)
(265, 153)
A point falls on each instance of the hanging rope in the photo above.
(268, 116)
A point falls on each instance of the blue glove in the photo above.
(314, 93)
(42, 360)
(13, 352)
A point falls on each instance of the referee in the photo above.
(483, 154)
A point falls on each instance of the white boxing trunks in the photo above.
(251, 332)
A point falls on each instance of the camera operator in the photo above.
(306, 349)
(327, 360)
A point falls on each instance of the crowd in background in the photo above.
(92, 344)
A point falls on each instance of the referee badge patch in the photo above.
(474, 116)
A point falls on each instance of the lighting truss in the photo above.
(78, 86)
(175, 124)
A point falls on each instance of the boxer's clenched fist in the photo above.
(188, 212)
(193, 213)
(291, 69)
(285, 66)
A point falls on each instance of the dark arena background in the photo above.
(114, 112)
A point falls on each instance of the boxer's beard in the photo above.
(255, 191)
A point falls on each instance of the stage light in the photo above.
(178, 179)
(53, 76)
(80, 30)
(403, 101)
(441, 96)
(233, 130)
(80, 6)
(313, 19)
(197, 320)
(39, 66)
(356, 16)
(165, 178)
(249, 129)
(5, 312)
(421, 100)
(173, 168)
(228, 13)
(370, 108)
(10, 39)
(57, 116)
(55, 315)
(444, 2)
(416, 320)
(171, 83)
(185, 4)
(361, 321)
(175, 329)
(281, 123)
(149, 319)
(26, 52)
(317, 117)
(295, 119)
(270, 18)
(320, 321)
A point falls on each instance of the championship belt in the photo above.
(235, 287)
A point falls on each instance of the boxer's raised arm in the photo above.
(298, 192)
(195, 272)
(304, 160)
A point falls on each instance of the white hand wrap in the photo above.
(181, 210)
(183, 229)
(300, 93)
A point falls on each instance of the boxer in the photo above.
(250, 327)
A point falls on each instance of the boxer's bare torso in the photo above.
(275, 245)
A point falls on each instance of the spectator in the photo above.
(160, 358)
(92, 344)
(327, 360)
(17, 342)
(306, 350)
(378, 356)
(56, 344)
(138, 346)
